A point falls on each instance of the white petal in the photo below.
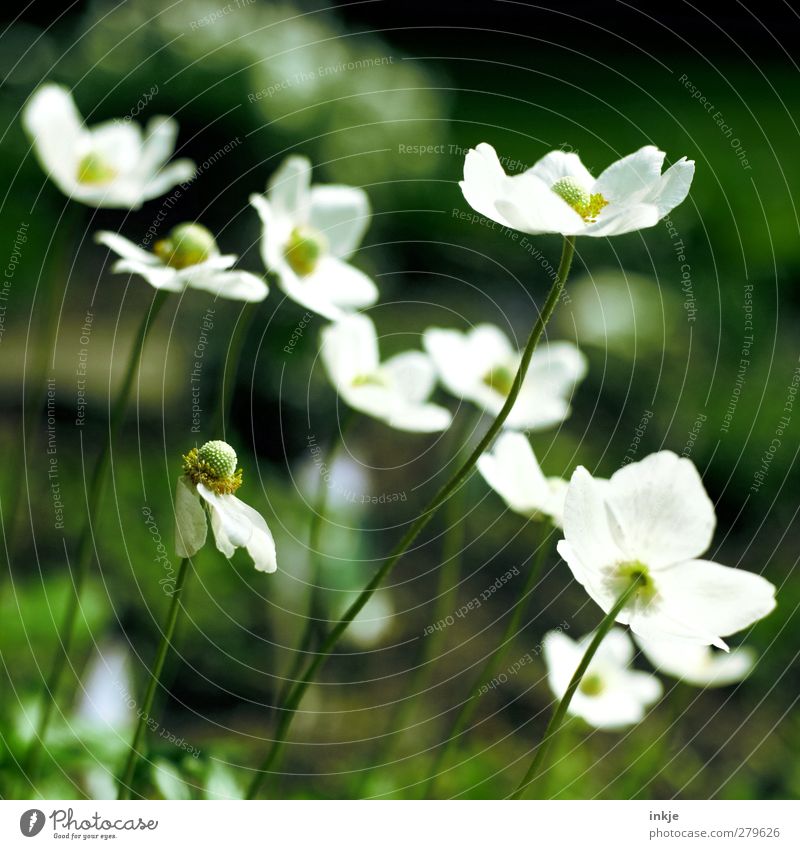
(533, 207)
(191, 525)
(696, 664)
(419, 418)
(616, 648)
(180, 171)
(233, 285)
(126, 249)
(413, 374)
(663, 511)
(119, 143)
(673, 187)
(158, 143)
(288, 189)
(159, 277)
(632, 175)
(342, 214)
(702, 602)
(557, 164)
(55, 126)
(621, 218)
(483, 181)
(512, 471)
(349, 349)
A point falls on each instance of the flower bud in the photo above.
(186, 244)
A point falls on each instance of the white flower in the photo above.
(110, 165)
(698, 665)
(610, 695)
(309, 232)
(513, 472)
(187, 258)
(558, 194)
(395, 391)
(653, 520)
(480, 366)
(207, 488)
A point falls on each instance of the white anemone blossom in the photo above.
(309, 233)
(559, 195)
(188, 258)
(480, 366)
(110, 165)
(698, 665)
(611, 695)
(513, 472)
(206, 491)
(652, 521)
(395, 391)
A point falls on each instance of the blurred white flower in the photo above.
(480, 366)
(109, 165)
(106, 703)
(652, 520)
(207, 487)
(611, 695)
(309, 232)
(559, 195)
(373, 622)
(698, 665)
(187, 258)
(395, 391)
(512, 471)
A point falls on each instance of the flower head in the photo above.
(611, 695)
(309, 233)
(653, 520)
(698, 665)
(559, 195)
(512, 471)
(110, 165)
(395, 391)
(480, 366)
(204, 491)
(187, 258)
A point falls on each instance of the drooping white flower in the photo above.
(395, 391)
(611, 695)
(188, 258)
(309, 233)
(559, 195)
(653, 520)
(110, 165)
(512, 471)
(480, 366)
(698, 665)
(206, 491)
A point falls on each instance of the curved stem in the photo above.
(561, 711)
(298, 691)
(126, 781)
(85, 543)
(489, 668)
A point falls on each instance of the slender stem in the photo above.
(489, 668)
(296, 694)
(83, 561)
(230, 368)
(126, 781)
(315, 607)
(561, 710)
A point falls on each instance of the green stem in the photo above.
(298, 691)
(561, 710)
(316, 611)
(97, 483)
(489, 669)
(126, 781)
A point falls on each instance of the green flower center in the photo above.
(632, 570)
(213, 465)
(186, 244)
(592, 685)
(586, 205)
(373, 379)
(500, 378)
(305, 248)
(93, 170)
